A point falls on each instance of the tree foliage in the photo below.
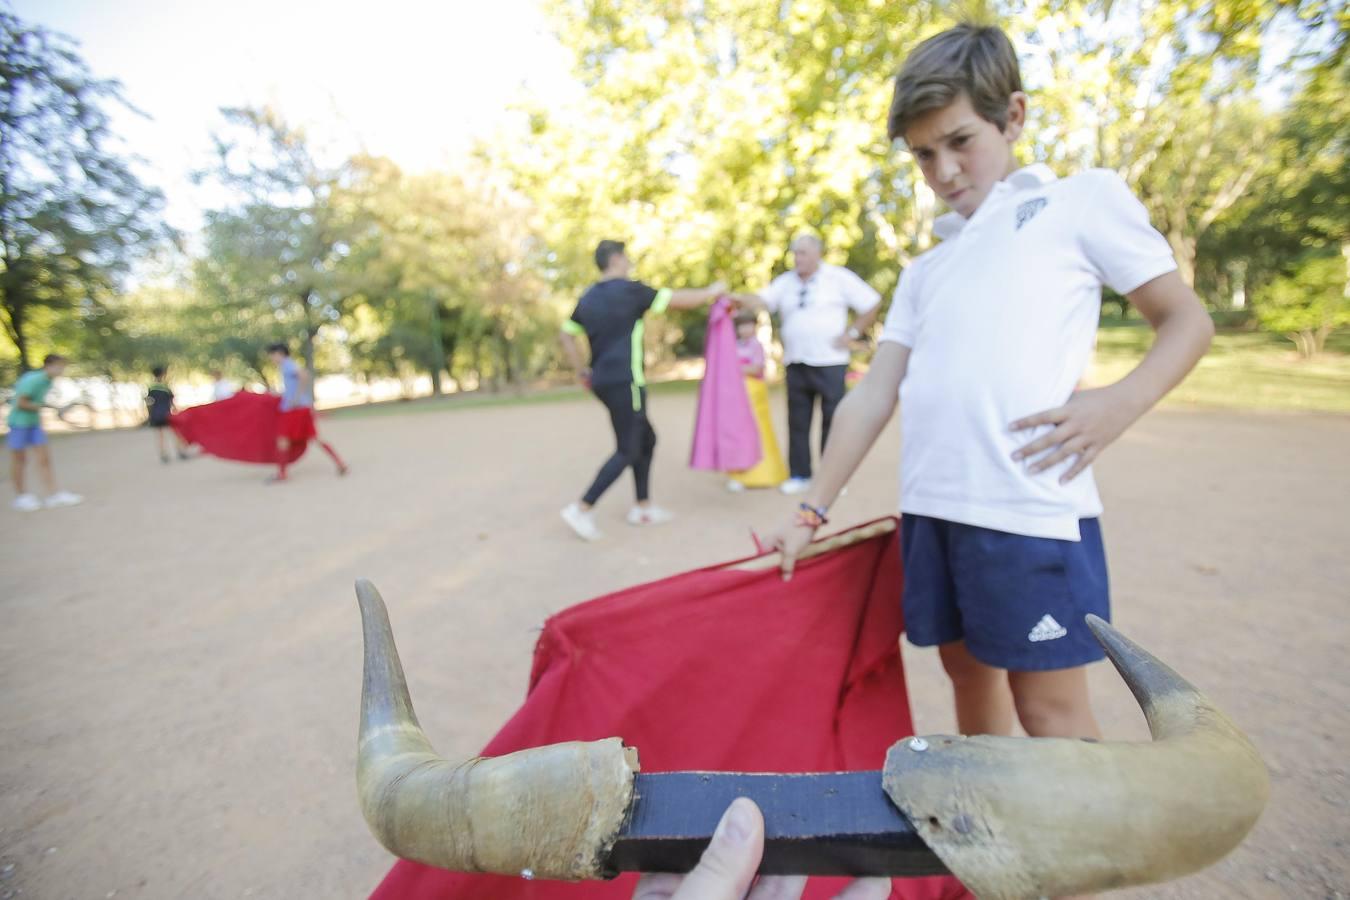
(706, 134)
(73, 214)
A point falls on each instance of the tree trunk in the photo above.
(16, 334)
(1320, 338)
(1303, 341)
(438, 343)
(508, 367)
(1183, 248)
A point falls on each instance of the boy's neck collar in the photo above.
(1030, 177)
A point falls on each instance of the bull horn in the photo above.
(552, 812)
(1017, 818)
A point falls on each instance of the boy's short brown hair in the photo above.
(976, 60)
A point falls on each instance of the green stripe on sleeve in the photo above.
(662, 301)
(572, 327)
(639, 333)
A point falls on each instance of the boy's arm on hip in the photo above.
(1184, 332)
(1092, 420)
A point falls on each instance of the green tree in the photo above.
(1165, 93)
(1299, 205)
(1310, 303)
(277, 257)
(73, 215)
(449, 282)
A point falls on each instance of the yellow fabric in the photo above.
(770, 470)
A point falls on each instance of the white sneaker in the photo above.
(63, 498)
(27, 503)
(735, 486)
(581, 521)
(795, 486)
(649, 515)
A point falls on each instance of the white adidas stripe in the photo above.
(1047, 629)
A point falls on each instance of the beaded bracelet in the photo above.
(811, 516)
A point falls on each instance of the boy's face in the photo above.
(276, 357)
(55, 367)
(962, 156)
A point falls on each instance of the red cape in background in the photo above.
(724, 668)
(242, 428)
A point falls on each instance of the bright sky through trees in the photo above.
(412, 81)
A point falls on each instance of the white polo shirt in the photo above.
(1001, 318)
(814, 312)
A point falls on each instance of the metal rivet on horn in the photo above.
(918, 744)
(527, 874)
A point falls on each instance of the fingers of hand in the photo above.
(787, 565)
(1084, 460)
(778, 887)
(866, 889)
(1049, 417)
(656, 887)
(1073, 447)
(728, 866)
(1045, 442)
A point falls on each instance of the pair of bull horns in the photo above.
(1010, 817)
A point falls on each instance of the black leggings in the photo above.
(804, 384)
(635, 439)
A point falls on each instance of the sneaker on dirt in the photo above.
(581, 521)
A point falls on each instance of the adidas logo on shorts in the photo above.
(1047, 629)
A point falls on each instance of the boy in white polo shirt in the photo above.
(986, 341)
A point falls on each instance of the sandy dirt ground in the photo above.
(180, 657)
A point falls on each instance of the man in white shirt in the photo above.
(220, 388)
(812, 301)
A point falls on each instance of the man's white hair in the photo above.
(808, 239)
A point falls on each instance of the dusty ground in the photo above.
(179, 658)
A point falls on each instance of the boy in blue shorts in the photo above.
(26, 434)
(985, 343)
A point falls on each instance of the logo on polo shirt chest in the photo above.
(1026, 210)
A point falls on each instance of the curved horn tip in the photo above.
(366, 592)
(1148, 678)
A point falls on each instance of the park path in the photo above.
(180, 657)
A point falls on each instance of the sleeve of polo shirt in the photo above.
(773, 294)
(901, 320)
(858, 294)
(573, 327)
(1123, 248)
(661, 302)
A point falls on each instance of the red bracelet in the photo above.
(809, 516)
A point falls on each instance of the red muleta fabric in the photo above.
(722, 669)
(242, 428)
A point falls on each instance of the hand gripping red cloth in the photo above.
(242, 428)
(725, 668)
(726, 436)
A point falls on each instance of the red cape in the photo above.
(722, 668)
(242, 428)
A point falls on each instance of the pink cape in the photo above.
(726, 438)
(724, 668)
(242, 428)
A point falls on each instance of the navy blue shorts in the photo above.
(1018, 602)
